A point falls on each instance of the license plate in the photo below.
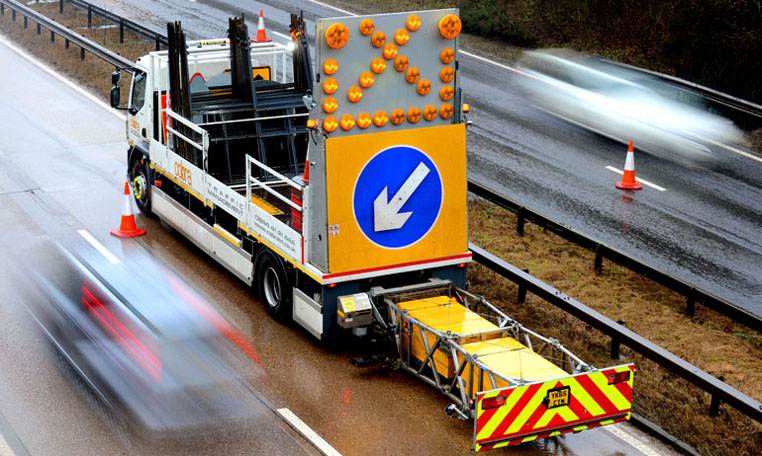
(558, 397)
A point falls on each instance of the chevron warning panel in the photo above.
(524, 413)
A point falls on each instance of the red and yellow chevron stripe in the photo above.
(510, 416)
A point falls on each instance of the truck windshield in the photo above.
(138, 92)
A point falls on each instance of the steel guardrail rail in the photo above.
(55, 28)
(719, 390)
(692, 293)
(123, 23)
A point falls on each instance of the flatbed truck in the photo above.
(338, 192)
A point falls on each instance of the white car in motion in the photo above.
(625, 107)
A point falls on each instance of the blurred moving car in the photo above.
(625, 106)
(149, 348)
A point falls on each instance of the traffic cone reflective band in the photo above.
(127, 228)
(628, 181)
(261, 34)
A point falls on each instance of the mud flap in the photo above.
(519, 414)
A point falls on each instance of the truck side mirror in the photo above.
(115, 97)
(116, 77)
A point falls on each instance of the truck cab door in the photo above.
(138, 116)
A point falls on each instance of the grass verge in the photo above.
(714, 343)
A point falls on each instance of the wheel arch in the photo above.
(136, 152)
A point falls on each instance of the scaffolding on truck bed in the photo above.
(464, 363)
(231, 100)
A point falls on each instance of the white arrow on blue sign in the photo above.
(397, 197)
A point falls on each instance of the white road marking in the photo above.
(282, 35)
(66, 81)
(642, 181)
(5, 449)
(731, 148)
(323, 446)
(99, 247)
(333, 8)
(631, 440)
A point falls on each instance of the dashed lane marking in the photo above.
(307, 432)
(731, 148)
(99, 247)
(642, 181)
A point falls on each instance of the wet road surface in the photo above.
(61, 170)
(705, 228)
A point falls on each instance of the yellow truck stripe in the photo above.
(611, 392)
(499, 415)
(565, 413)
(580, 394)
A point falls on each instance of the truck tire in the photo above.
(273, 287)
(141, 186)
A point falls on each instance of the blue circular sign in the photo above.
(397, 197)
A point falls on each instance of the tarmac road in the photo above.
(61, 170)
(705, 228)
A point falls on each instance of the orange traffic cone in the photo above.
(306, 175)
(261, 34)
(628, 181)
(127, 229)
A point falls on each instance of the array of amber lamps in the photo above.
(337, 36)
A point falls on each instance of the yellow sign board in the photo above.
(396, 197)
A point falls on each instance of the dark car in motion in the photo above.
(146, 346)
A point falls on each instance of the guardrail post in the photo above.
(26, 21)
(615, 345)
(39, 29)
(89, 15)
(2, 9)
(690, 303)
(121, 30)
(66, 43)
(520, 216)
(158, 42)
(52, 36)
(521, 296)
(598, 266)
(60, 7)
(82, 53)
(714, 407)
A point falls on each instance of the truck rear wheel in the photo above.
(141, 186)
(273, 287)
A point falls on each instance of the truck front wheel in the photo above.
(141, 186)
(273, 287)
